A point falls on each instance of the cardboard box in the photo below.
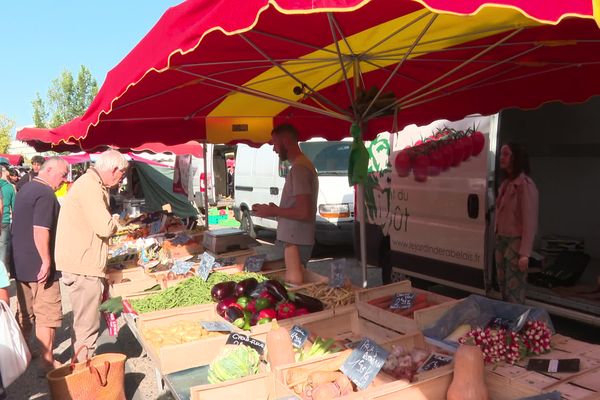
(422, 318)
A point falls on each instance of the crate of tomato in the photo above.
(401, 307)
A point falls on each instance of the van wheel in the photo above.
(246, 224)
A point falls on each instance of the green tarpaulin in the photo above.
(157, 185)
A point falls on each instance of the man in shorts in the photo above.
(296, 212)
(33, 229)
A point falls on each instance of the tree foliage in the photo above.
(6, 127)
(66, 99)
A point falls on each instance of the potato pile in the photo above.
(176, 333)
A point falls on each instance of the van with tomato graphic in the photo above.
(431, 191)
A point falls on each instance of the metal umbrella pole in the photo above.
(205, 179)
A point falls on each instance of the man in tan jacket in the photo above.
(84, 227)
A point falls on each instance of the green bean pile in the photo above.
(190, 292)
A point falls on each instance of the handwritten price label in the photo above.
(206, 265)
(364, 363)
(299, 335)
(239, 339)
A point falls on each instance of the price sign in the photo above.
(206, 265)
(254, 263)
(337, 276)
(402, 301)
(181, 267)
(216, 326)
(364, 363)
(239, 339)
(155, 227)
(435, 360)
(299, 335)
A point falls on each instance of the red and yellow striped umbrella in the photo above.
(229, 70)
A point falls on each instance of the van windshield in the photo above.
(329, 158)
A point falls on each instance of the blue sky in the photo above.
(39, 39)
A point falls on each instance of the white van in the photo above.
(259, 178)
(189, 174)
(442, 229)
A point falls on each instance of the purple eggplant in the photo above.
(245, 287)
(222, 290)
(233, 314)
(223, 304)
(310, 303)
(277, 290)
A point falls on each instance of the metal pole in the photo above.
(360, 196)
(204, 144)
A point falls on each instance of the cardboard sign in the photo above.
(254, 263)
(238, 339)
(299, 336)
(216, 326)
(182, 267)
(364, 363)
(435, 360)
(402, 301)
(206, 265)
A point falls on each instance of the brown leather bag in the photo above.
(101, 377)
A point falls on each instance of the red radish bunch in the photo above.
(504, 345)
(536, 337)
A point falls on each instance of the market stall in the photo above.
(203, 313)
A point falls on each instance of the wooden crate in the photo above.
(433, 388)
(440, 304)
(346, 326)
(260, 386)
(309, 278)
(178, 357)
(129, 288)
(281, 374)
(411, 341)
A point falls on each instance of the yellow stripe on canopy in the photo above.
(320, 69)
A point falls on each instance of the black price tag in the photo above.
(238, 338)
(299, 335)
(254, 263)
(364, 363)
(402, 301)
(216, 326)
(206, 265)
(435, 360)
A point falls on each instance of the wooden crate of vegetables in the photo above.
(331, 297)
(434, 388)
(374, 304)
(125, 274)
(132, 287)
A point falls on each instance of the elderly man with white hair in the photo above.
(84, 227)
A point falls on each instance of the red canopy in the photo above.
(13, 159)
(228, 70)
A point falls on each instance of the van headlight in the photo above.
(334, 210)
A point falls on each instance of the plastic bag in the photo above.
(14, 353)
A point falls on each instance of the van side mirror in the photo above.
(473, 206)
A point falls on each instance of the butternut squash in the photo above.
(280, 350)
(468, 382)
